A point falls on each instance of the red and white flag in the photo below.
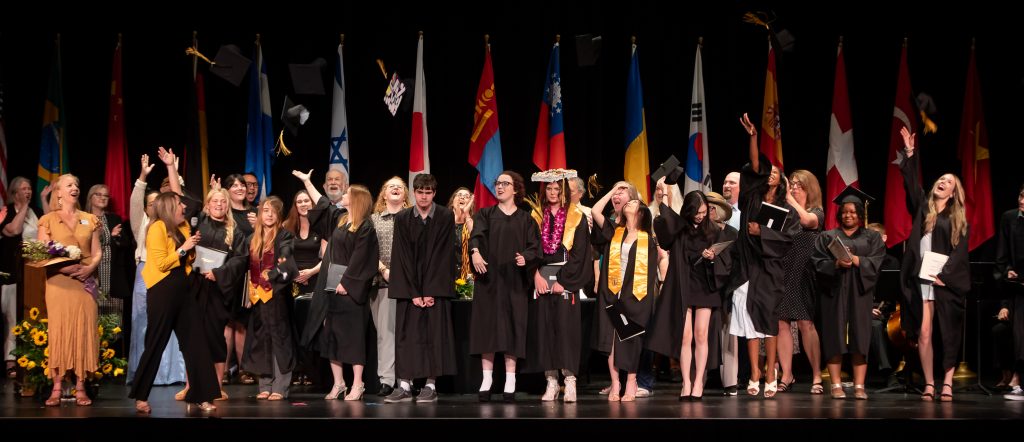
(973, 152)
(419, 161)
(898, 219)
(842, 164)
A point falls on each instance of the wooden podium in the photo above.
(35, 276)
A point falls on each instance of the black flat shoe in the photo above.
(508, 397)
(484, 396)
(684, 398)
(697, 398)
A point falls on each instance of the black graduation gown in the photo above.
(761, 259)
(687, 283)
(499, 313)
(1009, 257)
(847, 295)
(238, 312)
(627, 353)
(948, 320)
(269, 329)
(337, 324)
(423, 264)
(554, 335)
(214, 303)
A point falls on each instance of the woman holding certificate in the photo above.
(847, 260)
(340, 313)
(627, 285)
(939, 234)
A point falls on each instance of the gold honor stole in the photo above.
(639, 264)
(258, 293)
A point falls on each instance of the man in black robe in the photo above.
(1009, 259)
(423, 283)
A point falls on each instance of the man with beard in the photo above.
(335, 184)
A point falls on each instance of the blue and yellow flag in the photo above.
(637, 170)
(53, 151)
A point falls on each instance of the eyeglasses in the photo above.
(249, 184)
(502, 183)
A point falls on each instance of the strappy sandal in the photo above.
(275, 397)
(613, 393)
(12, 372)
(946, 397)
(82, 399)
(786, 386)
(926, 396)
(54, 401)
(753, 387)
(770, 387)
(837, 391)
(817, 388)
(263, 395)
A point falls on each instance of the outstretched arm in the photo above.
(752, 131)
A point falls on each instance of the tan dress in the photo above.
(73, 338)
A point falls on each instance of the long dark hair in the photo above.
(691, 205)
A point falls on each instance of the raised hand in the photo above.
(909, 141)
(304, 177)
(214, 182)
(147, 167)
(748, 126)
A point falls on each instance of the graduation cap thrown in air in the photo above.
(670, 170)
(308, 79)
(230, 64)
(293, 115)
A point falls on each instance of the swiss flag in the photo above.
(842, 164)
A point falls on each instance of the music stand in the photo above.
(983, 286)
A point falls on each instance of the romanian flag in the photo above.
(637, 170)
(53, 152)
(485, 142)
(973, 149)
(771, 133)
(549, 147)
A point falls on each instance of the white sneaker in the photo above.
(1017, 394)
(643, 392)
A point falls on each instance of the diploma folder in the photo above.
(772, 216)
(838, 250)
(334, 274)
(208, 259)
(624, 328)
(931, 264)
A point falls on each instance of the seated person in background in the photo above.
(1002, 348)
(885, 304)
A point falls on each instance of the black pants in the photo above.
(172, 307)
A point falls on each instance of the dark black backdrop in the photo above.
(156, 77)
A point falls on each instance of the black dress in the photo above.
(1010, 256)
(307, 256)
(422, 265)
(798, 301)
(639, 311)
(239, 313)
(761, 259)
(956, 274)
(847, 295)
(498, 324)
(554, 323)
(337, 324)
(689, 282)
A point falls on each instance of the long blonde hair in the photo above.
(263, 237)
(382, 202)
(359, 201)
(56, 197)
(165, 207)
(229, 224)
(811, 187)
(955, 208)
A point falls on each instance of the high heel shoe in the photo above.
(569, 395)
(81, 398)
(54, 401)
(356, 394)
(180, 396)
(550, 393)
(336, 391)
(946, 397)
(926, 396)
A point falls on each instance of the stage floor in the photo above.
(895, 412)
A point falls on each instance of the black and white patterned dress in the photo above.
(798, 301)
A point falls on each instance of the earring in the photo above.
(60, 202)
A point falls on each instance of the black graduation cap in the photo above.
(852, 195)
(308, 79)
(230, 64)
(588, 49)
(670, 170)
(293, 115)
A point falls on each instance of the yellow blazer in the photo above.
(161, 253)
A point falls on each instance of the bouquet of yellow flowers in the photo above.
(33, 350)
(464, 287)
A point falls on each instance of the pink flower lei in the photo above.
(552, 239)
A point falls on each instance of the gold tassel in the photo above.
(383, 71)
(929, 126)
(593, 187)
(281, 149)
(196, 53)
(536, 208)
(757, 18)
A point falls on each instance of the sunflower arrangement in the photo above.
(464, 288)
(33, 350)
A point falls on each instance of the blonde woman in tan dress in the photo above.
(74, 342)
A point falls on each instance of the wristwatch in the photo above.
(182, 253)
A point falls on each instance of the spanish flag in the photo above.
(771, 129)
(637, 170)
